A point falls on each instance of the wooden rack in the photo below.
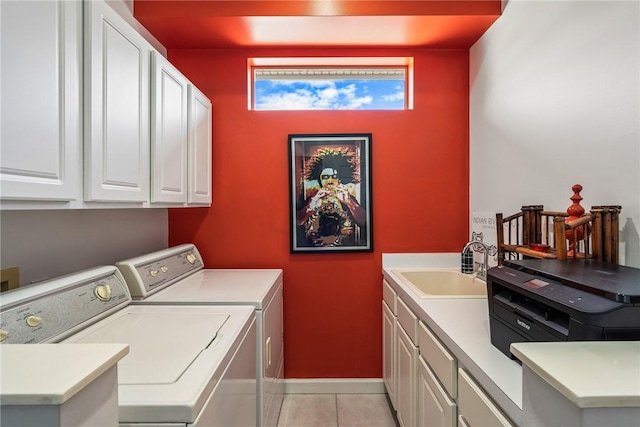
(592, 235)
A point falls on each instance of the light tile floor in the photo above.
(336, 410)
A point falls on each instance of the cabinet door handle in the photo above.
(268, 351)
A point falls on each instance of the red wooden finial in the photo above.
(576, 210)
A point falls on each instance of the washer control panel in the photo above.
(150, 273)
(52, 310)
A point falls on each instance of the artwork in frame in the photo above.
(330, 193)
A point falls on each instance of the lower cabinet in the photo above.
(426, 386)
(407, 354)
(389, 341)
(476, 408)
(389, 334)
(435, 407)
(406, 357)
(437, 381)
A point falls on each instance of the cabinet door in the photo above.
(116, 107)
(389, 333)
(406, 356)
(475, 407)
(435, 408)
(200, 142)
(168, 132)
(40, 121)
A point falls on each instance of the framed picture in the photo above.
(330, 193)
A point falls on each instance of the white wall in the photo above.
(555, 95)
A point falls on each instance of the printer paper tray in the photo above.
(529, 318)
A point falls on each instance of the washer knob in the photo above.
(103, 292)
(34, 321)
(3, 335)
(191, 258)
(153, 273)
(164, 269)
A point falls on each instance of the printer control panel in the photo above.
(555, 291)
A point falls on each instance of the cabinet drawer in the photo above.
(476, 408)
(435, 407)
(389, 296)
(408, 321)
(443, 364)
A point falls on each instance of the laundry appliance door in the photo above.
(186, 364)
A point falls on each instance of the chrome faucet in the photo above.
(476, 245)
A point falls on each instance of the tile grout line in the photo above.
(337, 412)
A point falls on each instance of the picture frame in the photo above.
(330, 193)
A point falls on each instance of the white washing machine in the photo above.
(177, 276)
(187, 365)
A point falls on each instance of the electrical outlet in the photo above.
(9, 278)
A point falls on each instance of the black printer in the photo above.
(571, 300)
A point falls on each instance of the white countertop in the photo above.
(50, 374)
(607, 375)
(462, 324)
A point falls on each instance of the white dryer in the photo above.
(177, 276)
(187, 365)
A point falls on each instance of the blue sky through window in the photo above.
(366, 94)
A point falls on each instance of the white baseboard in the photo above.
(334, 386)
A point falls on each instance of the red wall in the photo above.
(420, 173)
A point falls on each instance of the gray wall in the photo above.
(47, 244)
(555, 95)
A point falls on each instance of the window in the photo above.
(330, 84)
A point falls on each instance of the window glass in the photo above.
(329, 88)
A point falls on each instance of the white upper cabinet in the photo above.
(92, 116)
(116, 144)
(200, 144)
(40, 113)
(169, 135)
(180, 138)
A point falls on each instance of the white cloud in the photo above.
(317, 96)
(398, 96)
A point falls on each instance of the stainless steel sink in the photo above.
(443, 283)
